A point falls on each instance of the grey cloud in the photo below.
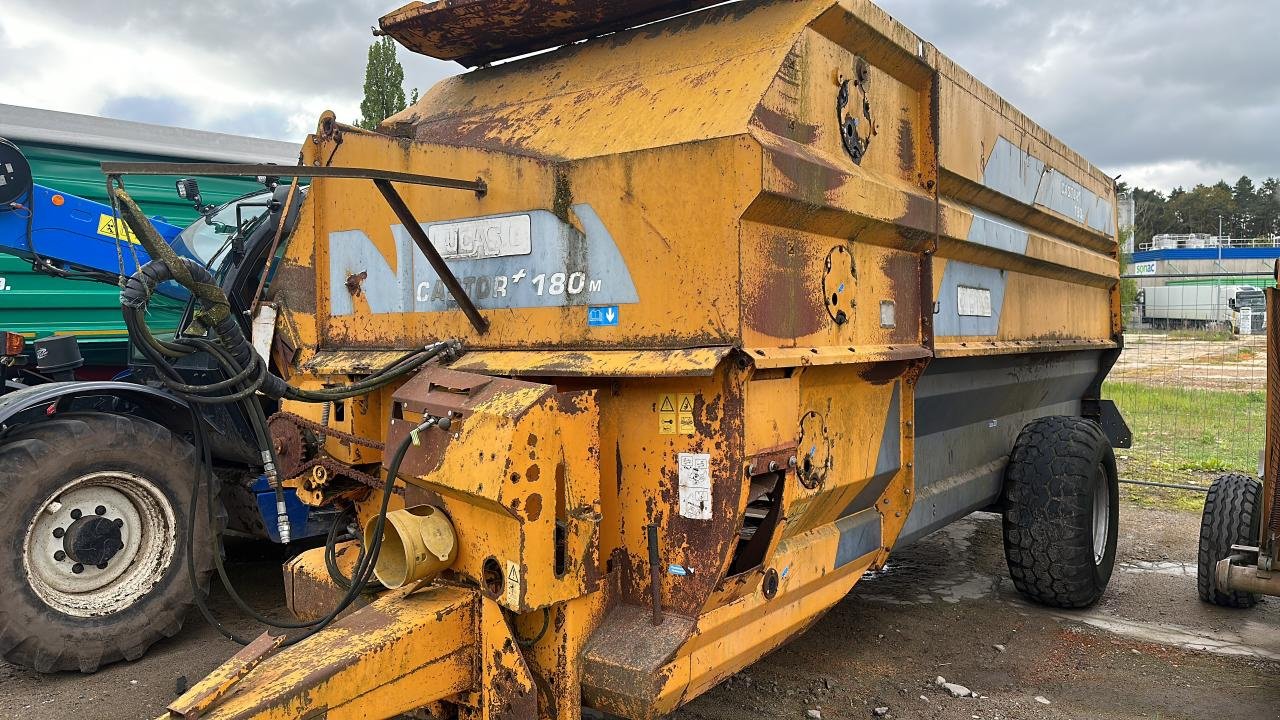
(1126, 84)
(158, 110)
(309, 46)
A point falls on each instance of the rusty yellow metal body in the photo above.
(775, 282)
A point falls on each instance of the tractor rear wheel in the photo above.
(1061, 512)
(1232, 516)
(93, 557)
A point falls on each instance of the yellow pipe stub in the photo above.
(417, 544)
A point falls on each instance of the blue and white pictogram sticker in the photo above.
(606, 316)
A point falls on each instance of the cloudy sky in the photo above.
(1166, 92)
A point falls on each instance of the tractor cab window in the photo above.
(209, 237)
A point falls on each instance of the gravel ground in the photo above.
(943, 608)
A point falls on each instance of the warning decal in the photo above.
(684, 416)
(667, 414)
(108, 226)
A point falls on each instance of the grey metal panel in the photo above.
(859, 535)
(948, 320)
(997, 232)
(969, 412)
(24, 124)
(591, 260)
(1013, 172)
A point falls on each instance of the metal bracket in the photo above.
(855, 143)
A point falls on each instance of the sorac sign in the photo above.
(520, 260)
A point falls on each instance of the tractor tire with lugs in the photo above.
(1232, 516)
(1061, 512)
(94, 510)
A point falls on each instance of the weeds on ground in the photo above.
(1185, 436)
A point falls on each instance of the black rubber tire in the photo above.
(1049, 488)
(34, 461)
(1232, 516)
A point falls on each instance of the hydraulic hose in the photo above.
(246, 375)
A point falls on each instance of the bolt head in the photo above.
(77, 568)
(772, 466)
(100, 510)
(791, 461)
(75, 514)
(119, 522)
(59, 556)
(59, 532)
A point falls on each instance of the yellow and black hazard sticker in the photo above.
(675, 413)
(667, 414)
(115, 228)
(684, 415)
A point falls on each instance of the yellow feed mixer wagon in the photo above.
(723, 303)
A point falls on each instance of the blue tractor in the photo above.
(101, 539)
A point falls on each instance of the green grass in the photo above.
(1185, 436)
(1202, 335)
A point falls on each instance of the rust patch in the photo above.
(884, 373)
(354, 283)
(787, 301)
(906, 148)
(533, 507)
(533, 473)
(295, 285)
(902, 270)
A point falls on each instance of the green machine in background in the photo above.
(64, 151)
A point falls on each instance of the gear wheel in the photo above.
(293, 450)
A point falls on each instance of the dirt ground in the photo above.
(1205, 362)
(1149, 650)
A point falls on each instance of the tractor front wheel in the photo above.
(94, 511)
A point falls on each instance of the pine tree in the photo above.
(383, 84)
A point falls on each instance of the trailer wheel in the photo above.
(1231, 517)
(1061, 512)
(95, 509)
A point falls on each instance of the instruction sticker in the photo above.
(695, 485)
(108, 226)
(667, 414)
(606, 316)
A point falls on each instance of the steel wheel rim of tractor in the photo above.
(147, 538)
(1101, 516)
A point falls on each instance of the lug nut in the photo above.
(59, 556)
(77, 568)
(119, 522)
(75, 514)
(103, 566)
(59, 532)
(100, 510)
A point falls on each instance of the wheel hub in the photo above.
(99, 543)
(92, 540)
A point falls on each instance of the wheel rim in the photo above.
(1101, 516)
(99, 543)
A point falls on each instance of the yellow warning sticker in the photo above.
(684, 415)
(667, 414)
(112, 228)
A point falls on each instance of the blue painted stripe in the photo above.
(1228, 253)
(859, 535)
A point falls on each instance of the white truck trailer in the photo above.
(1238, 307)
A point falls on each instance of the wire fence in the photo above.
(1191, 380)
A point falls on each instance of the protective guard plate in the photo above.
(475, 32)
